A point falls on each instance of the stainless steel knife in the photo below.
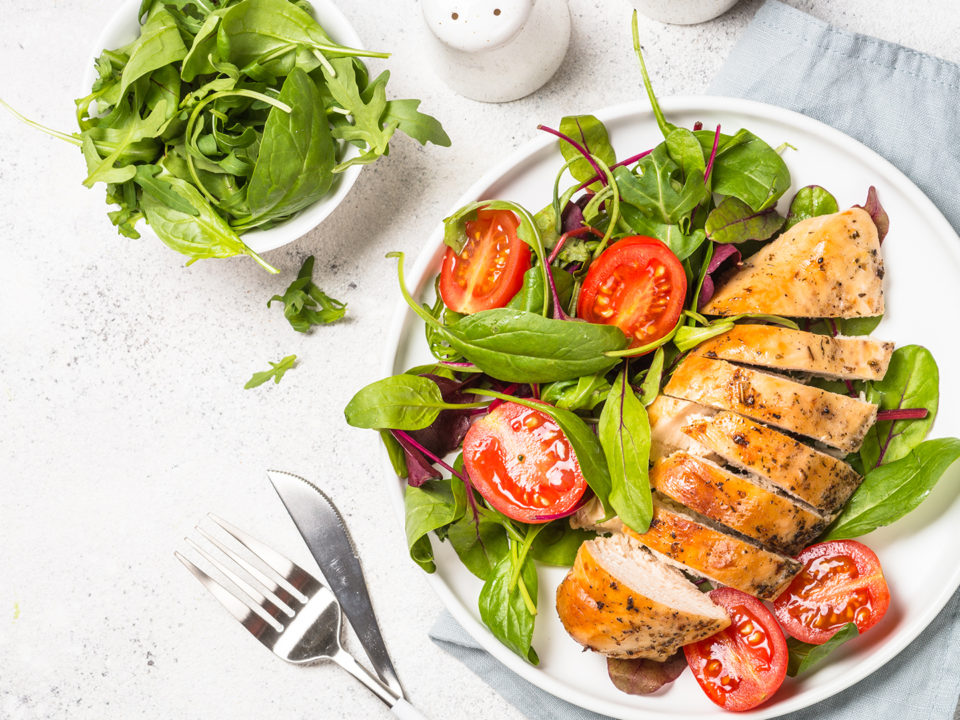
(325, 533)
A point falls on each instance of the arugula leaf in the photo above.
(681, 244)
(429, 507)
(421, 127)
(505, 606)
(890, 491)
(733, 221)
(276, 372)
(592, 135)
(810, 201)
(625, 436)
(305, 304)
(912, 381)
(803, 656)
(653, 191)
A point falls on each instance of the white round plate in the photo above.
(123, 28)
(922, 259)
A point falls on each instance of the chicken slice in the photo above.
(739, 502)
(695, 544)
(826, 266)
(836, 420)
(780, 348)
(667, 417)
(619, 600)
(818, 479)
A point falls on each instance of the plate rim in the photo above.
(642, 111)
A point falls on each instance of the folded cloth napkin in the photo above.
(903, 104)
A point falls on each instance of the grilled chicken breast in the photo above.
(836, 420)
(667, 417)
(740, 502)
(619, 600)
(826, 266)
(818, 479)
(780, 348)
(695, 544)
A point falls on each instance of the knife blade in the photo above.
(325, 533)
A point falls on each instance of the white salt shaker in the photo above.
(496, 50)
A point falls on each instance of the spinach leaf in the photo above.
(429, 507)
(530, 295)
(582, 439)
(749, 169)
(912, 381)
(685, 151)
(653, 192)
(204, 235)
(297, 154)
(651, 381)
(681, 244)
(804, 656)
(518, 346)
(395, 452)
(890, 491)
(158, 44)
(584, 393)
(399, 402)
(733, 221)
(846, 326)
(625, 436)
(810, 201)
(480, 546)
(557, 544)
(592, 135)
(275, 373)
(505, 606)
(305, 304)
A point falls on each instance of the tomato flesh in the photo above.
(637, 284)
(841, 582)
(744, 664)
(489, 269)
(522, 464)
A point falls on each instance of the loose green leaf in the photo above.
(421, 127)
(305, 304)
(733, 221)
(912, 381)
(803, 657)
(505, 610)
(276, 372)
(810, 201)
(427, 508)
(890, 491)
(625, 436)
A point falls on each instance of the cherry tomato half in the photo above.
(489, 269)
(522, 464)
(841, 582)
(637, 284)
(744, 664)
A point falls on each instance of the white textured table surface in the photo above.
(123, 417)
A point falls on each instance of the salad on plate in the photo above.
(663, 383)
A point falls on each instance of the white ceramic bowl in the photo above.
(124, 26)
(683, 12)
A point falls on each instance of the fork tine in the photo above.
(274, 591)
(243, 612)
(290, 576)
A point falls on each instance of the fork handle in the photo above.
(348, 663)
(405, 711)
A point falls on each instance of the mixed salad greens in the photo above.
(518, 337)
(517, 347)
(227, 116)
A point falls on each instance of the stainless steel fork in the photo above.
(286, 608)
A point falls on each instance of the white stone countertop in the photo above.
(123, 417)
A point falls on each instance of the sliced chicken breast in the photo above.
(667, 418)
(619, 600)
(826, 266)
(740, 502)
(836, 420)
(818, 479)
(697, 545)
(780, 348)
(590, 516)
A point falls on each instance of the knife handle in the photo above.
(405, 711)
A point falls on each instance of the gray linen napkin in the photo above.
(903, 104)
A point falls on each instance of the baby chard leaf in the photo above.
(625, 436)
(733, 221)
(276, 372)
(890, 491)
(592, 135)
(810, 201)
(804, 656)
